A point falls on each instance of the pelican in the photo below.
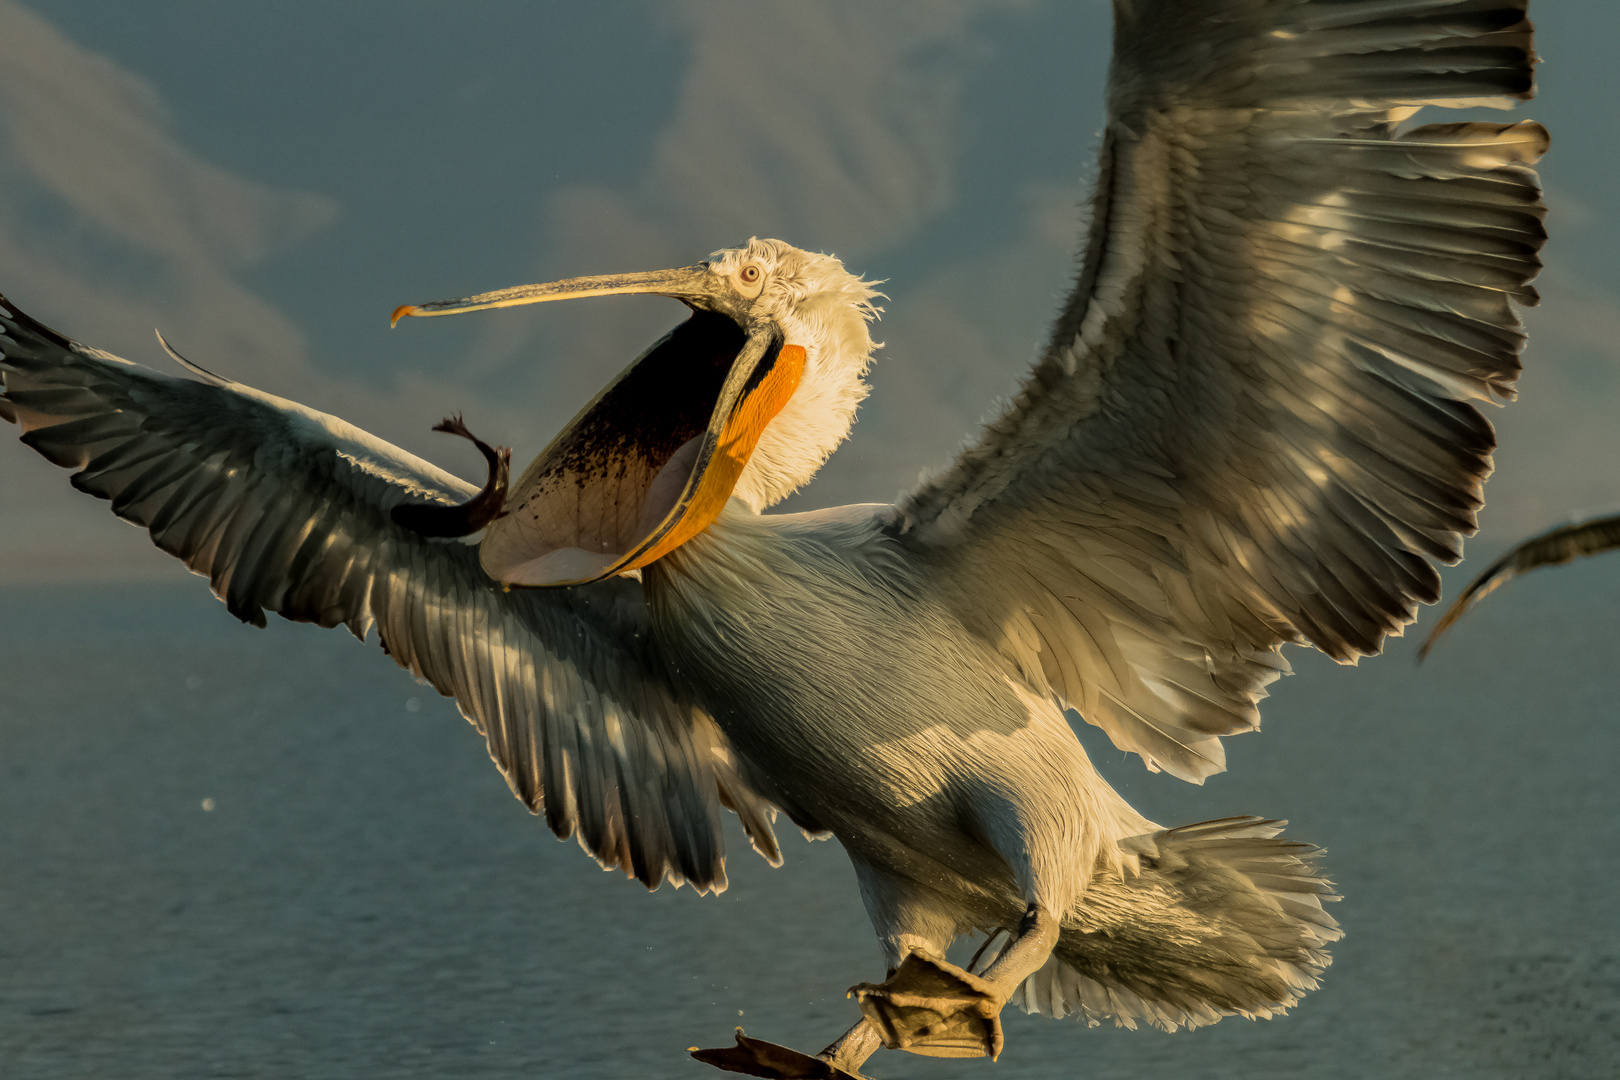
(1554, 547)
(1254, 424)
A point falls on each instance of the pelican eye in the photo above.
(748, 274)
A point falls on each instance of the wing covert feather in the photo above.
(285, 509)
(1253, 424)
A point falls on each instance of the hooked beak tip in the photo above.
(400, 312)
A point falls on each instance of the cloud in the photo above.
(101, 209)
(954, 343)
(833, 123)
(109, 226)
(829, 125)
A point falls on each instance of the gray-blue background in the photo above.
(265, 183)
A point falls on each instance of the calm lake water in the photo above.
(366, 899)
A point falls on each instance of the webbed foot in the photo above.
(756, 1057)
(930, 1006)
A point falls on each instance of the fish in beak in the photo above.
(461, 519)
(653, 459)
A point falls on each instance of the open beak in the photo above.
(652, 460)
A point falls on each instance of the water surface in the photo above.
(365, 898)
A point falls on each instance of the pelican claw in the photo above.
(756, 1057)
(932, 1007)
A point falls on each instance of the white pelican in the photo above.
(1556, 546)
(1251, 427)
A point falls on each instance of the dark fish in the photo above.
(461, 519)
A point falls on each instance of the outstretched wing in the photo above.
(1251, 425)
(1552, 548)
(285, 509)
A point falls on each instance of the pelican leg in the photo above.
(851, 1049)
(930, 1006)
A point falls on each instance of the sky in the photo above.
(265, 183)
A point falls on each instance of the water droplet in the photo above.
(413, 704)
(208, 804)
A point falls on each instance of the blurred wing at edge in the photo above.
(1552, 548)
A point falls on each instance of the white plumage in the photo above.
(1251, 427)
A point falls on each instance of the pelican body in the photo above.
(1253, 426)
